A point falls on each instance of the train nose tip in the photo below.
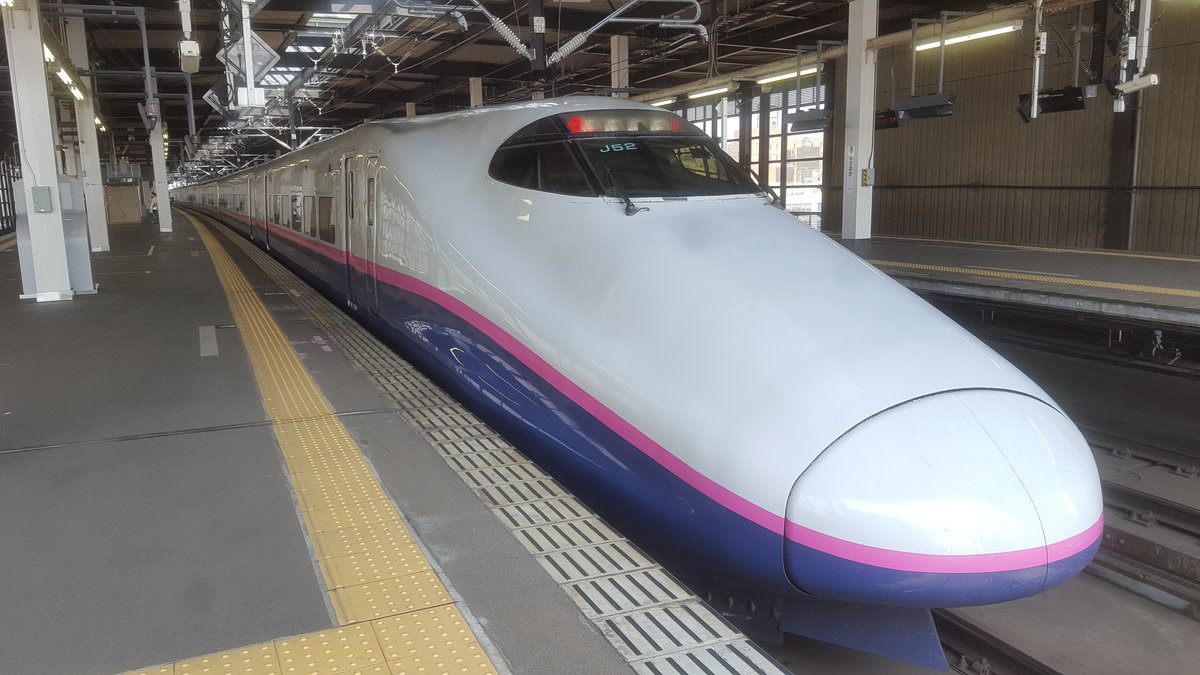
(960, 498)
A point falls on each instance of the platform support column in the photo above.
(476, 85)
(619, 64)
(858, 180)
(46, 252)
(89, 148)
(158, 156)
(410, 109)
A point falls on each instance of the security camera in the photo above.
(1137, 84)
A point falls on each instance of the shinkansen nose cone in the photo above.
(961, 498)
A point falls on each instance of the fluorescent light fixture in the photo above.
(62, 75)
(709, 92)
(76, 93)
(786, 76)
(986, 31)
(48, 54)
(665, 101)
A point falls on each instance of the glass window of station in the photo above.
(789, 163)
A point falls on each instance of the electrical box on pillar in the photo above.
(189, 56)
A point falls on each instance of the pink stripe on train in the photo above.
(848, 550)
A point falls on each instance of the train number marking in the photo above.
(619, 147)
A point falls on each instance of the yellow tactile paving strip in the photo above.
(7, 245)
(396, 616)
(1040, 278)
(1050, 249)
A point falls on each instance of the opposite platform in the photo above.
(152, 517)
(1143, 287)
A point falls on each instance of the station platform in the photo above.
(1141, 287)
(207, 468)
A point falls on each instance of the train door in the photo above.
(358, 203)
(258, 209)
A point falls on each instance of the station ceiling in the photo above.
(346, 62)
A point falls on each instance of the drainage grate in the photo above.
(656, 624)
(735, 658)
(665, 630)
(592, 561)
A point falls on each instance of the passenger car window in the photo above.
(324, 221)
(297, 221)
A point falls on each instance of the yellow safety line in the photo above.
(1051, 249)
(5, 247)
(395, 614)
(1042, 278)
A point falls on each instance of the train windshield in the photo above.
(626, 153)
(657, 166)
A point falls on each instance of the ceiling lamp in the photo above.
(665, 101)
(973, 34)
(708, 92)
(786, 76)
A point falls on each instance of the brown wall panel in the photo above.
(983, 174)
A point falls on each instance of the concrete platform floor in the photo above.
(147, 513)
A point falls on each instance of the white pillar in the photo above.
(47, 250)
(618, 56)
(410, 109)
(476, 92)
(158, 156)
(89, 149)
(860, 120)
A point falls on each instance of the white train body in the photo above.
(731, 388)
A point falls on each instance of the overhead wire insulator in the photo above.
(567, 47)
(510, 37)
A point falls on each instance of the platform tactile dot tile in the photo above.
(422, 634)
(375, 565)
(346, 541)
(389, 597)
(168, 669)
(351, 515)
(317, 491)
(466, 660)
(330, 652)
(257, 660)
(566, 537)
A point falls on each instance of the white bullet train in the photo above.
(811, 445)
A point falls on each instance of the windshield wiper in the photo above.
(775, 200)
(630, 207)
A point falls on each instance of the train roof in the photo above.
(507, 117)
